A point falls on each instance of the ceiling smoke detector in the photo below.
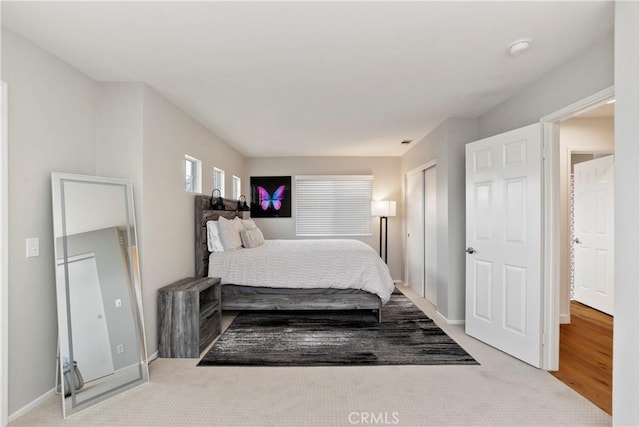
(518, 46)
(406, 141)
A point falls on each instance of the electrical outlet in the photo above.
(118, 303)
(33, 247)
(120, 348)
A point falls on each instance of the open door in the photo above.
(594, 233)
(504, 255)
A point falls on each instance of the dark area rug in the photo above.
(406, 336)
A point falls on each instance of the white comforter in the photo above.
(339, 264)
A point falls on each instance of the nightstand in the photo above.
(189, 312)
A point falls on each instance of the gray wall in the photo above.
(61, 120)
(578, 78)
(386, 186)
(143, 137)
(581, 76)
(167, 221)
(626, 333)
(51, 125)
(446, 145)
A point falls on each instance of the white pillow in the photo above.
(248, 224)
(213, 238)
(252, 238)
(229, 231)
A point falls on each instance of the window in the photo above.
(333, 205)
(192, 174)
(218, 180)
(236, 187)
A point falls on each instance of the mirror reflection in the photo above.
(101, 336)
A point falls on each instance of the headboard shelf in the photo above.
(204, 213)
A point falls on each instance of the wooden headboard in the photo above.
(204, 213)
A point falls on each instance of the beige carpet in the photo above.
(501, 391)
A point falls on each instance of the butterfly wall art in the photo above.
(271, 196)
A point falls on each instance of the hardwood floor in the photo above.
(586, 346)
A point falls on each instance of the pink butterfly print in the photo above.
(275, 199)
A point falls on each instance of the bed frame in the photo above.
(346, 300)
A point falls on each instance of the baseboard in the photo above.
(153, 357)
(450, 322)
(398, 282)
(32, 405)
(565, 319)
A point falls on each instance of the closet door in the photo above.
(415, 232)
(430, 236)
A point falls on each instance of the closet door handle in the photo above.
(470, 250)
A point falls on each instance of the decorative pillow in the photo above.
(252, 238)
(213, 238)
(248, 224)
(229, 231)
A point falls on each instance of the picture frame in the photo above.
(270, 196)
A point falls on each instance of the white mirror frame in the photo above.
(80, 214)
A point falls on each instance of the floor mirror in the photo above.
(100, 328)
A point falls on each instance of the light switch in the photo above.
(33, 247)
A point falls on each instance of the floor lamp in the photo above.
(383, 209)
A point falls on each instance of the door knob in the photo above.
(576, 240)
(470, 250)
(99, 316)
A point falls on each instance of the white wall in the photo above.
(386, 186)
(585, 136)
(52, 110)
(626, 331)
(445, 144)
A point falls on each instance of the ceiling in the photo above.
(316, 78)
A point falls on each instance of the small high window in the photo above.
(193, 174)
(236, 187)
(218, 180)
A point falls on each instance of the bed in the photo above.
(265, 287)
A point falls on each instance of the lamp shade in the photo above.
(383, 208)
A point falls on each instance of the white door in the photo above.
(415, 233)
(593, 209)
(503, 277)
(430, 237)
(91, 344)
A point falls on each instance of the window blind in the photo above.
(333, 205)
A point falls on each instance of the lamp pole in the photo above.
(385, 236)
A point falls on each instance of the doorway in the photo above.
(586, 165)
(421, 261)
(555, 229)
